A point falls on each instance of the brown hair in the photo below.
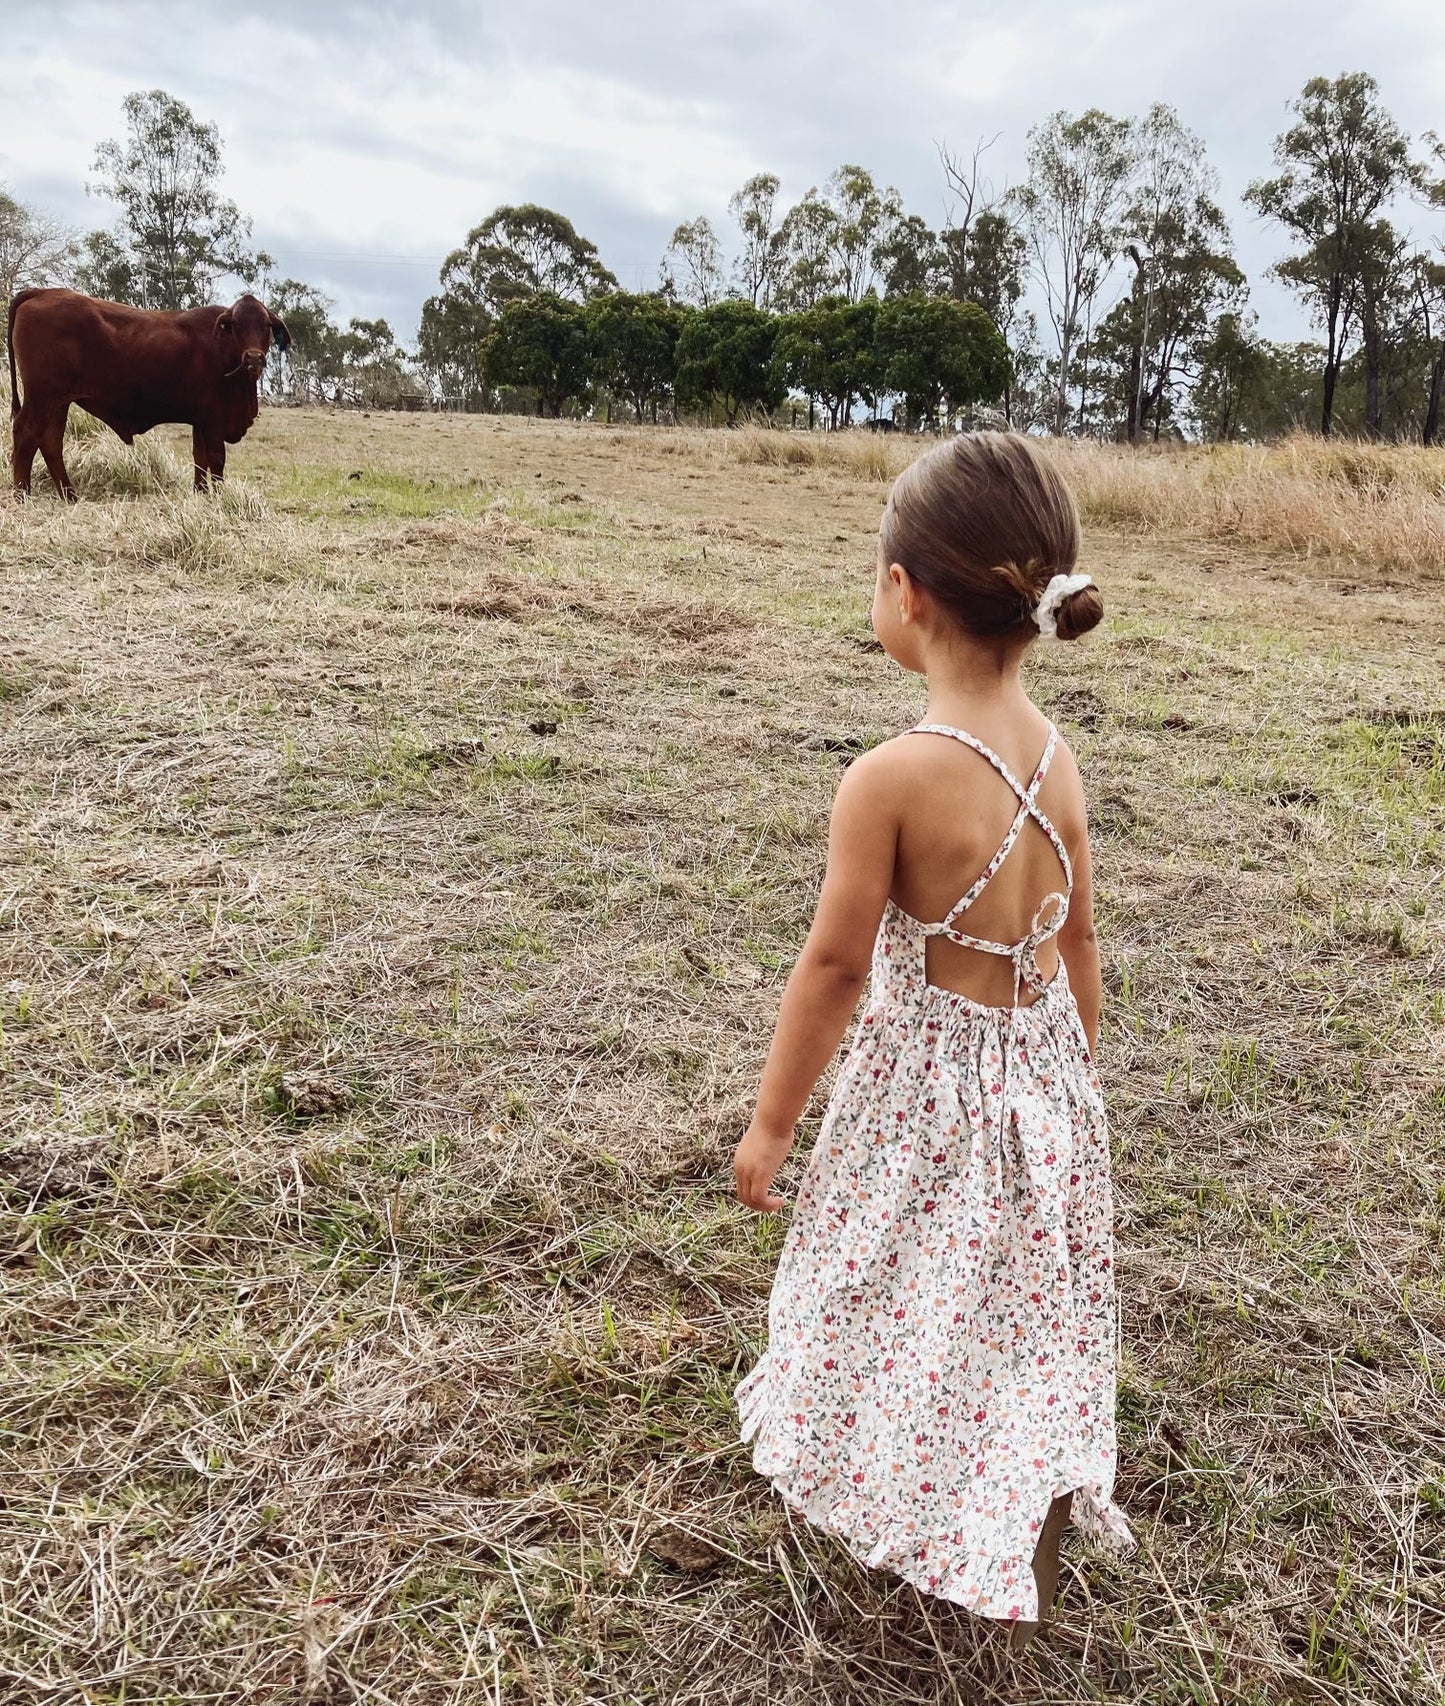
(982, 524)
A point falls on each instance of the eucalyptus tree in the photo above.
(177, 233)
(864, 220)
(911, 258)
(692, 265)
(374, 372)
(1071, 212)
(454, 326)
(1339, 167)
(1429, 282)
(314, 359)
(1430, 273)
(810, 272)
(1390, 302)
(983, 256)
(762, 259)
(1178, 241)
(519, 251)
(942, 356)
(1231, 363)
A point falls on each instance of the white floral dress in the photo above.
(940, 1364)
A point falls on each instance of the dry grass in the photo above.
(400, 878)
(863, 455)
(1380, 507)
(1376, 506)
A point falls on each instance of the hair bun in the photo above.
(1079, 612)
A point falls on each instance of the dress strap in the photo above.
(1052, 911)
(1028, 808)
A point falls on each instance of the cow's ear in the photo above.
(225, 323)
(279, 335)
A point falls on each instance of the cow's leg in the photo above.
(24, 442)
(208, 452)
(52, 448)
(201, 456)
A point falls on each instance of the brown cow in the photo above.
(133, 368)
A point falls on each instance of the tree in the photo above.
(984, 259)
(1342, 162)
(454, 326)
(692, 265)
(987, 265)
(1430, 294)
(1274, 389)
(632, 346)
(968, 193)
(373, 365)
(1232, 364)
(829, 352)
(315, 358)
(177, 233)
(34, 249)
(941, 355)
(516, 252)
(763, 257)
(911, 258)
(807, 240)
(107, 269)
(1070, 211)
(1388, 307)
(1030, 395)
(725, 353)
(863, 221)
(522, 251)
(540, 342)
(1185, 275)
(1432, 284)
(1177, 240)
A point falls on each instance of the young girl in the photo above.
(938, 1390)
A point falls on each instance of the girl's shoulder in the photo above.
(891, 762)
(911, 752)
(910, 766)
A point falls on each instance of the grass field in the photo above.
(402, 859)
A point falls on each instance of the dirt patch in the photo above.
(518, 599)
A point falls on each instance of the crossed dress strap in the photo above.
(1053, 909)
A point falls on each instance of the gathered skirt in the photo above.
(941, 1331)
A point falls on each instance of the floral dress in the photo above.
(940, 1364)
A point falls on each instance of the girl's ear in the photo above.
(907, 592)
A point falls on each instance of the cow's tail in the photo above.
(10, 351)
(15, 301)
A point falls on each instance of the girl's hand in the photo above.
(755, 1165)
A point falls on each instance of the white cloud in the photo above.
(360, 131)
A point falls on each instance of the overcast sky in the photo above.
(364, 139)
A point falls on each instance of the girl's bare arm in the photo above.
(823, 990)
(1078, 945)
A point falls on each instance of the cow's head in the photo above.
(247, 330)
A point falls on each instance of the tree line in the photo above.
(1100, 296)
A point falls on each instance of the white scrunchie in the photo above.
(1046, 611)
